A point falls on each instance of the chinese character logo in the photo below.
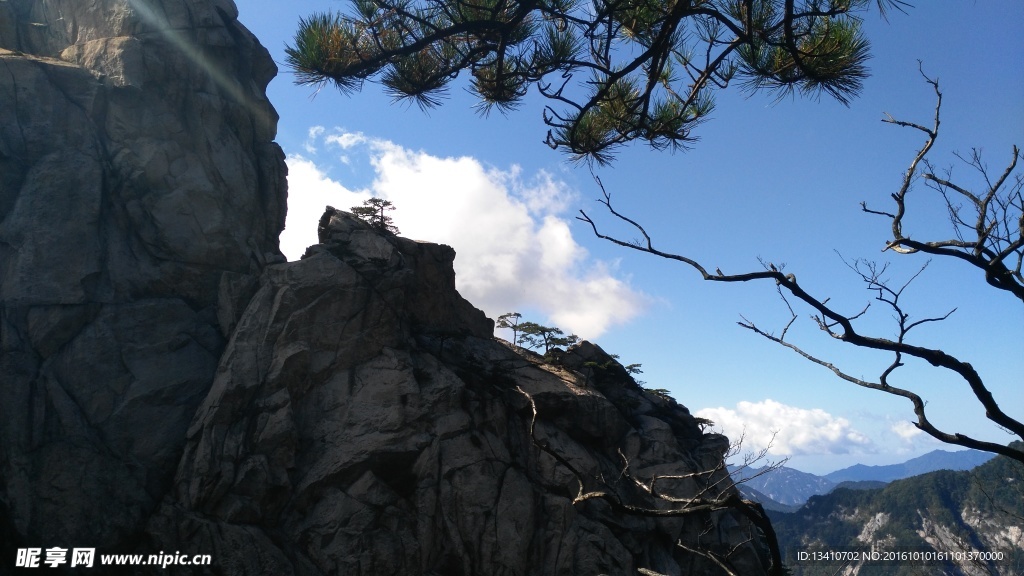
(28, 557)
(83, 557)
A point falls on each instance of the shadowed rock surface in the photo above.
(140, 193)
(365, 421)
(170, 384)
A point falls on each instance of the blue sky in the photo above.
(776, 180)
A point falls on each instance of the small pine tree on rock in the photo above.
(511, 321)
(373, 212)
(534, 335)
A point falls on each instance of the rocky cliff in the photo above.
(140, 194)
(365, 421)
(170, 383)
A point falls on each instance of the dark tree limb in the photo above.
(994, 241)
(997, 249)
(713, 497)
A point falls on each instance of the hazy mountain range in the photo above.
(930, 462)
(970, 521)
(786, 489)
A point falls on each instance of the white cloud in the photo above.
(796, 431)
(310, 190)
(905, 430)
(515, 247)
(314, 133)
(346, 140)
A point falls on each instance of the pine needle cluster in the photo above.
(614, 71)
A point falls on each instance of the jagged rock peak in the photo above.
(364, 421)
(432, 303)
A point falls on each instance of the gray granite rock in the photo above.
(364, 421)
(138, 175)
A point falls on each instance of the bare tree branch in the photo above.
(717, 494)
(997, 247)
(994, 242)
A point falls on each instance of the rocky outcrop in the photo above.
(364, 421)
(141, 195)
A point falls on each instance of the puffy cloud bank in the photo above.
(787, 430)
(515, 247)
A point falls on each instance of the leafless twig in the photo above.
(997, 248)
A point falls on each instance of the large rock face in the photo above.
(364, 421)
(141, 194)
(169, 383)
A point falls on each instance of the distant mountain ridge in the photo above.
(766, 502)
(786, 489)
(941, 511)
(785, 486)
(860, 485)
(930, 462)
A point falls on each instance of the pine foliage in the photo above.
(614, 71)
(374, 212)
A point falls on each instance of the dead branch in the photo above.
(992, 238)
(997, 247)
(727, 498)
